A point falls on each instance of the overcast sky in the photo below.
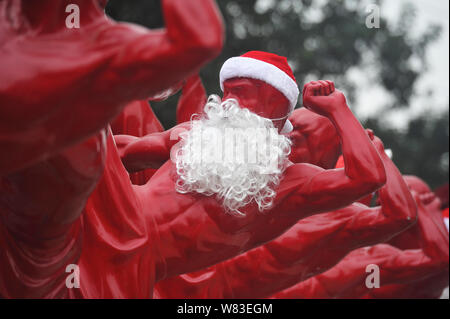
(437, 77)
(371, 99)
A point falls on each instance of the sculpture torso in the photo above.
(40, 207)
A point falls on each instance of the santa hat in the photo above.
(267, 67)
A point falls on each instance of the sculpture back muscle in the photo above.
(39, 212)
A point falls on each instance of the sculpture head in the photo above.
(263, 83)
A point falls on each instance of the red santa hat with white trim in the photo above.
(268, 67)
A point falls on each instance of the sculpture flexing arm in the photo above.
(314, 139)
(312, 246)
(364, 171)
(397, 210)
(317, 243)
(150, 151)
(60, 86)
(219, 236)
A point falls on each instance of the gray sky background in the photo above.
(371, 99)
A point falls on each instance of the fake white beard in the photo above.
(232, 153)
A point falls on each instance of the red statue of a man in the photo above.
(207, 213)
(312, 246)
(233, 278)
(415, 264)
(59, 89)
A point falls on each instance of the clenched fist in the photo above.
(322, 98)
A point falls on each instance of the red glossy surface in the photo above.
(442, 192)
(92, 72)
(59, 89)
(205, 283)
(192, 100)
(407, 270)
(195, 232)
(314, 138)
(259, 97)
(312, 246)
(148, 152)
(136, 120)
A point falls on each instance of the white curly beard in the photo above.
(232, 153)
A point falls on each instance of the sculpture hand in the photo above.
(322, 98)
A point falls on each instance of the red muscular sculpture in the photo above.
(59, 89)
(136, 120)
(312, 246)
(415, 264)
(192, 100)
(134, 236)
(310, 132)
(191, 231)
(314, 138)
